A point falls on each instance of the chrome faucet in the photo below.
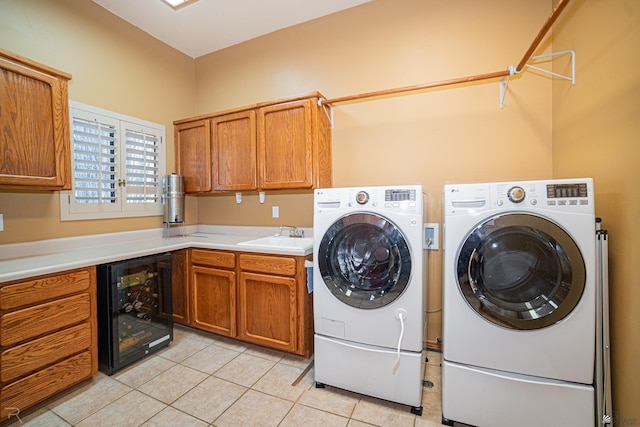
(293, 231)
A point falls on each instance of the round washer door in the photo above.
(521, 271)
(364, 260)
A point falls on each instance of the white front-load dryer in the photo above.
(368, 293)
(519, 294)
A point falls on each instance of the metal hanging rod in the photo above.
(543, 32)
(477, 77)
(450, 82)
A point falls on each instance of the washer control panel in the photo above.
(406, 199)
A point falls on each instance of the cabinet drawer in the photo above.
(213, 258)
(33, 355)
(45, 383)
(22, 325)
(282, 266)
(44, 288)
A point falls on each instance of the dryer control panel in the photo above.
(559, 195)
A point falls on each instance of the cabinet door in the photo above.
(214, 300)
(193, 155)
(233, 138)
(268, 310)
(180, 286)
(34, 125)
(285, 145)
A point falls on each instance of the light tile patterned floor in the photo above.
(205, 380)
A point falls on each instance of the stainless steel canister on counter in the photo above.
(172, 199)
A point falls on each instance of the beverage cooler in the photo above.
(134, 310)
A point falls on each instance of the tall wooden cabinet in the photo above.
(284, 144)
(34, 125)
(48, 337)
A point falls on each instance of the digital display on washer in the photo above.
(556, 191)
(396, 195)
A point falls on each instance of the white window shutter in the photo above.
(142, 166)
(95, 163)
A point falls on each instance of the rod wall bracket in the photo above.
(504, 82)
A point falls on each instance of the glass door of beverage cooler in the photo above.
(137, 319)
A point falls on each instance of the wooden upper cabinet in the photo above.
(285, 145)
(193, 155)
(277, 145)
(233, 139)
(34, 125)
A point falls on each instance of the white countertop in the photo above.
(23, 260)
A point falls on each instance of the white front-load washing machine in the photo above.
(519, 292)
(368, 291)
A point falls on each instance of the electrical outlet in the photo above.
(431, 236)
(275, 211)
(1, 222)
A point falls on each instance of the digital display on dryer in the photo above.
(398, 195)
(556, 191)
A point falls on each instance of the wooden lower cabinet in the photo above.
(213, 291)
(48, 337)
(257, 298)
(268, 310)
(180, 289)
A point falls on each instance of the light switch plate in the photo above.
(275, 212)
(1, 222)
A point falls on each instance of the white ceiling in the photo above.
(209, 25)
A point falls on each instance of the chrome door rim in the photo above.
(520, 271)
(364, 260)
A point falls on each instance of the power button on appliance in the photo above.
(516, 194)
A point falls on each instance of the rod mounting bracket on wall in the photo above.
(504, 82)
(325, 106)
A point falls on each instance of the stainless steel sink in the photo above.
(280, 242)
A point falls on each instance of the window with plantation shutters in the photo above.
(94, 160)
(117, 165)
(142, 178)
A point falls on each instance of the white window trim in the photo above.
(70, 211)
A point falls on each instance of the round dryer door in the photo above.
(364, 260)
(521, 271)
